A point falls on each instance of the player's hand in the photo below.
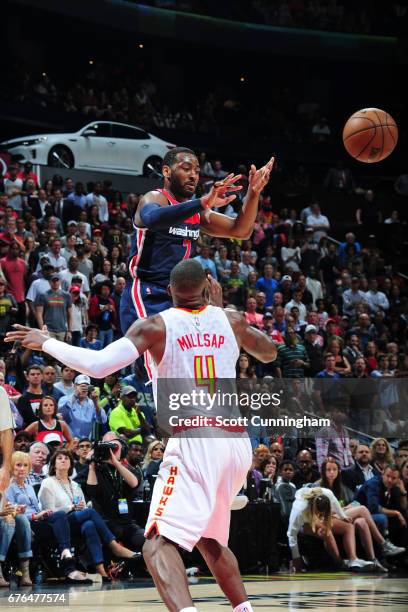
(258, 179)
(217, 196)
(30, 338)
(214, 291)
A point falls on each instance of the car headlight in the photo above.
(28, 142)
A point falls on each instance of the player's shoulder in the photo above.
(153, 197)
(235, 318)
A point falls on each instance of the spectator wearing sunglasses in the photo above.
(83, 448)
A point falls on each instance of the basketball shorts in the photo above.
(196, 485)
(140, 300)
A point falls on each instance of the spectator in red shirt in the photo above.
(102, 312)
(27, 173)
(14, 269)
(252, 317)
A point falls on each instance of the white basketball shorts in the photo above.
(196, 485)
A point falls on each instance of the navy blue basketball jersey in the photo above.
(155, 253)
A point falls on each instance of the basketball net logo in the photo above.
(207, 379)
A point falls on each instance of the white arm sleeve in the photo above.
(96, 364)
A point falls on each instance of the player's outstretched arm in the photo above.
(153, 212)
(216, 224)
(252, 340)
(141, 336)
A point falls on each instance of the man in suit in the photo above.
(40, 205)
(65, 209)
(362, 470)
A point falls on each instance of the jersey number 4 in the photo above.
(207, 378)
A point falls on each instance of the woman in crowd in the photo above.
(370, 355)
(322, 314)
(250, 286)
(118, 263)
(359, 515)
(13, 522)
(342, 366)
(30, 245)
(48, 422)
(45, 524)
(312, 514)
(93, 217)
(153, 459)
(244, 367)
(106, 274)
(381, 454)
(60, 492)
(269, 470)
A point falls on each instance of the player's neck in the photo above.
(191, 304)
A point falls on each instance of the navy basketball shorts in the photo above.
(140, 300)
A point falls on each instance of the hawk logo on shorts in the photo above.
(148, 291)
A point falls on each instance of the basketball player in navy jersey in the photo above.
(168, 222)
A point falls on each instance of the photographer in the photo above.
(81, 411)
(112, 487)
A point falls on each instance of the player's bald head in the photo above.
(187, 276)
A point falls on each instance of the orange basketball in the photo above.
(370, 135)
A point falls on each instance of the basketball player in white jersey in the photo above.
(199, 476)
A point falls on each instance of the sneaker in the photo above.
(390, 550)
(379, 568)
(359, 565)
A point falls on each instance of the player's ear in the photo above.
(166, 170)
(169, 290)
(206, 294)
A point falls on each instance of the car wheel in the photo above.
(154, 171)
(60, 157)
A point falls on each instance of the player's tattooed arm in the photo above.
(252, 340)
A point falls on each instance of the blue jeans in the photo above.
(381, 520)
(20, 526)
(91, 525)
(105, 336)
(56, 526)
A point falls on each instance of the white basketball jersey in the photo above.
(199, 344)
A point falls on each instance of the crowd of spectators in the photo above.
(336, 311)
(329, 15)
(104, 91)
